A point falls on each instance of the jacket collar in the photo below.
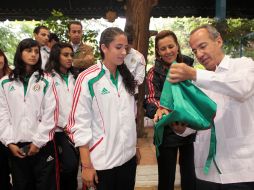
(160, 67)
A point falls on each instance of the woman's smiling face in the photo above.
(167, 49)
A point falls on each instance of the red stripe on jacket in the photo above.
(56, 112)
(76, 96)
(96, 144)
(151, 91)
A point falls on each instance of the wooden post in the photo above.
(138, 13)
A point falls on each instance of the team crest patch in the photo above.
(57, 84)
(36, 87)
(133, 60)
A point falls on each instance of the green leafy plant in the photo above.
(233, 32)
(57, 23)
(11, 34)
(89, 37)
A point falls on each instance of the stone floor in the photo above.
(147, 173)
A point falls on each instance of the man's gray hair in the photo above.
(213, 32)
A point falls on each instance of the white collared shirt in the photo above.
(45, 51)
(75, 46)
(231, 86)
(136, 63)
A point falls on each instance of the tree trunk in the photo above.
(138, 19)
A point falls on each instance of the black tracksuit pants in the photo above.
(4, 168)
(36, 172)
(68, 161)
(118, 178)
(167, 167)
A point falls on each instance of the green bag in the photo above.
(187, 104)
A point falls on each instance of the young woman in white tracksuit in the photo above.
(4, 164)
(59, 65)
(102, 120)
(28, 115)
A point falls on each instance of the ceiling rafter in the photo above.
(80, 9)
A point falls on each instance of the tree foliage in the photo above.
(8, 43)
(57, 23)
(10, 36)
(234, 33)
(90, 37)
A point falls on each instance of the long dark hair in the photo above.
(19, 72)
(53, 62)
(164, 34)
(107, 36)
(6, 68)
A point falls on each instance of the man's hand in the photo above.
(159, 113)
(181, 72)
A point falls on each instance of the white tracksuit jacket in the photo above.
(64, 94)
(31, 117)
(103, 117)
